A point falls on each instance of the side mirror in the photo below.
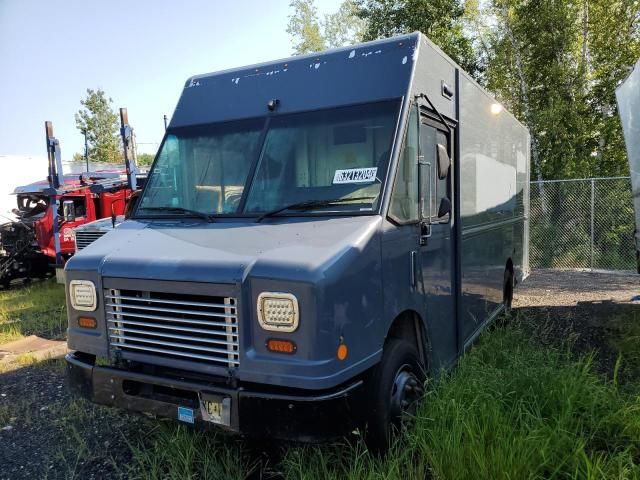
(444, 162)
(68, 211)
(444, 208)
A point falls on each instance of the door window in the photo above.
(79, 207)
(433, 187)
(404, 201)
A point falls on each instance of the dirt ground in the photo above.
(44, 433)
(594, 312)
(557, 288)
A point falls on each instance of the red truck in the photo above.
(27, 245)
(48, 211)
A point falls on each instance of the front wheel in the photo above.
(395, 387)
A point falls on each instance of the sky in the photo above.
(139, 52)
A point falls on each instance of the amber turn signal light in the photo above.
(281, 346)
(342, 351)
(87, 322)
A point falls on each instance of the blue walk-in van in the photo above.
(316, 236)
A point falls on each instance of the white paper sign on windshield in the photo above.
(355, 175)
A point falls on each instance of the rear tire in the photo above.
(395, 387)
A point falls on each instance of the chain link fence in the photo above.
(582, 223)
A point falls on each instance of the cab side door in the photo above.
(436, 249)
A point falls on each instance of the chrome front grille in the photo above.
(86, 238)
(182, 326)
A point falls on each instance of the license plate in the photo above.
(215, 409)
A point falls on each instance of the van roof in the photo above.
(367, 72)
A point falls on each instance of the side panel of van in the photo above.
(494, 161)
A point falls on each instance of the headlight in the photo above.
(278, 312)
(83, 295)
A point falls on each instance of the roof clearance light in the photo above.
(496, 108)
(278, 312)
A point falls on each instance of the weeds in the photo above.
(624, 338)
(510, 410)
(519, 405)
(514, 410)
(176, 452)
(37, 309)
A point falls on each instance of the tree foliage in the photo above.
(556, 64)
(312, 34)
(441, 20)
(144, 159)
(344, 27)
(101, 125)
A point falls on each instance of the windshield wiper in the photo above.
(185, 211)
(309, 204)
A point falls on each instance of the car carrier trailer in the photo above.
(50, 211)
(628, 96)
(316, 235)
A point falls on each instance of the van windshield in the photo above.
(336, 158)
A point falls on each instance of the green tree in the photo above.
(535, 72)
(441, 20)
(344, 27)
(311, 34)
(612, 46)
(144, 159)
(555, 64)
(101, 125)
(304, 27)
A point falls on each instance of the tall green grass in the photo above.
(623, 336)
(513, 408)
(177, 453)
(510, 410)
(37, 309)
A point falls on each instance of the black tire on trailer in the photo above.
(395, 386)
(507, 295)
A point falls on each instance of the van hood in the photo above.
(226, 252)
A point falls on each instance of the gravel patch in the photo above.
(594, 313)
(46, 433)
(570, 287)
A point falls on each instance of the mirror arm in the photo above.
(433, 107)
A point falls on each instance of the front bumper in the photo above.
(262, 412)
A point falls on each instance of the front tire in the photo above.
(395, 387)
